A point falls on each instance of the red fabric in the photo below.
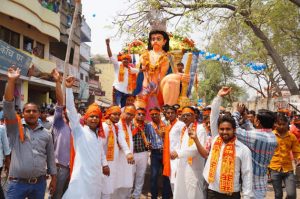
(72, 154)
(295, 131)
(166, 151)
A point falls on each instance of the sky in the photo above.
(99, 16)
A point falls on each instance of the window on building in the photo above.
(81, 76)
(39, 50)
(10, 37)
(86, 78)
(27, 44)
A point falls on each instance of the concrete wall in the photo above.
(272, 104)
(106, 79)
(23, 29)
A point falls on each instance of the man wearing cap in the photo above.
(155, 133)
(140, 147)
(111, 143)
(90, 160)
(191, 163)
(124, 180)
(125, 76)
(171, 141)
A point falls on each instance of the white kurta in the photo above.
(86, 180)
(174, 137)
(125, 171)
(242, 170)
(188, 177)
(110, 182)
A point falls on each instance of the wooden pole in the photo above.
(183, 99)
(72, 29)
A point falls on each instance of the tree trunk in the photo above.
(297, 2)
(285, 74)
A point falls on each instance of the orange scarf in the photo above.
(110, 141)
(140, 128)
(191, 141)
(227, 165)
(131, 78)
(21, 129)
(166, 151)
(126, 132)
(121, 73)
(161, 130)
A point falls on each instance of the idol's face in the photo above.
(157, 41)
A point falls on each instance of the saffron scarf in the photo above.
(190, 141)
(227, 165)
(124, 126)
(131, 78)
(111, 141)
(140, 128)
(161, 130)
(166, 151)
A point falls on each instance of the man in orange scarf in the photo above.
(125, 76)
(111, 143)
(191, 163)
(31, 147)
(171, 140)
(124, 180)
(90, 161)
(229, 162)
(140, 147)
(155, 133)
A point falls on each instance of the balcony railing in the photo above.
(35, 14)
(85, 66)
(73, 70)
(85, 51)
(85, 35)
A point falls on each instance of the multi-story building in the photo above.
(26, 31)
(58, 48)
(106, 78)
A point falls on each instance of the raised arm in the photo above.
(71, 110)
(9, 105)
(215, 110)
(107, 41)
(13, 75)
(58, 89)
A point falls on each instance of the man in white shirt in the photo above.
(124, 179)
(111, 143)
(125, 77)
(90, 160)
(228, 169)
(191, 163)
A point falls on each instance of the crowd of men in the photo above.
(197, 154)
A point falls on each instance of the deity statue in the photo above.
(159, 82)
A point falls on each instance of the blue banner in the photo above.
(212, 56)
(11, 56)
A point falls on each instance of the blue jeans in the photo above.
(119, 97)
(62, 181)
(290, 184)
(156, 167)
(21, 190)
